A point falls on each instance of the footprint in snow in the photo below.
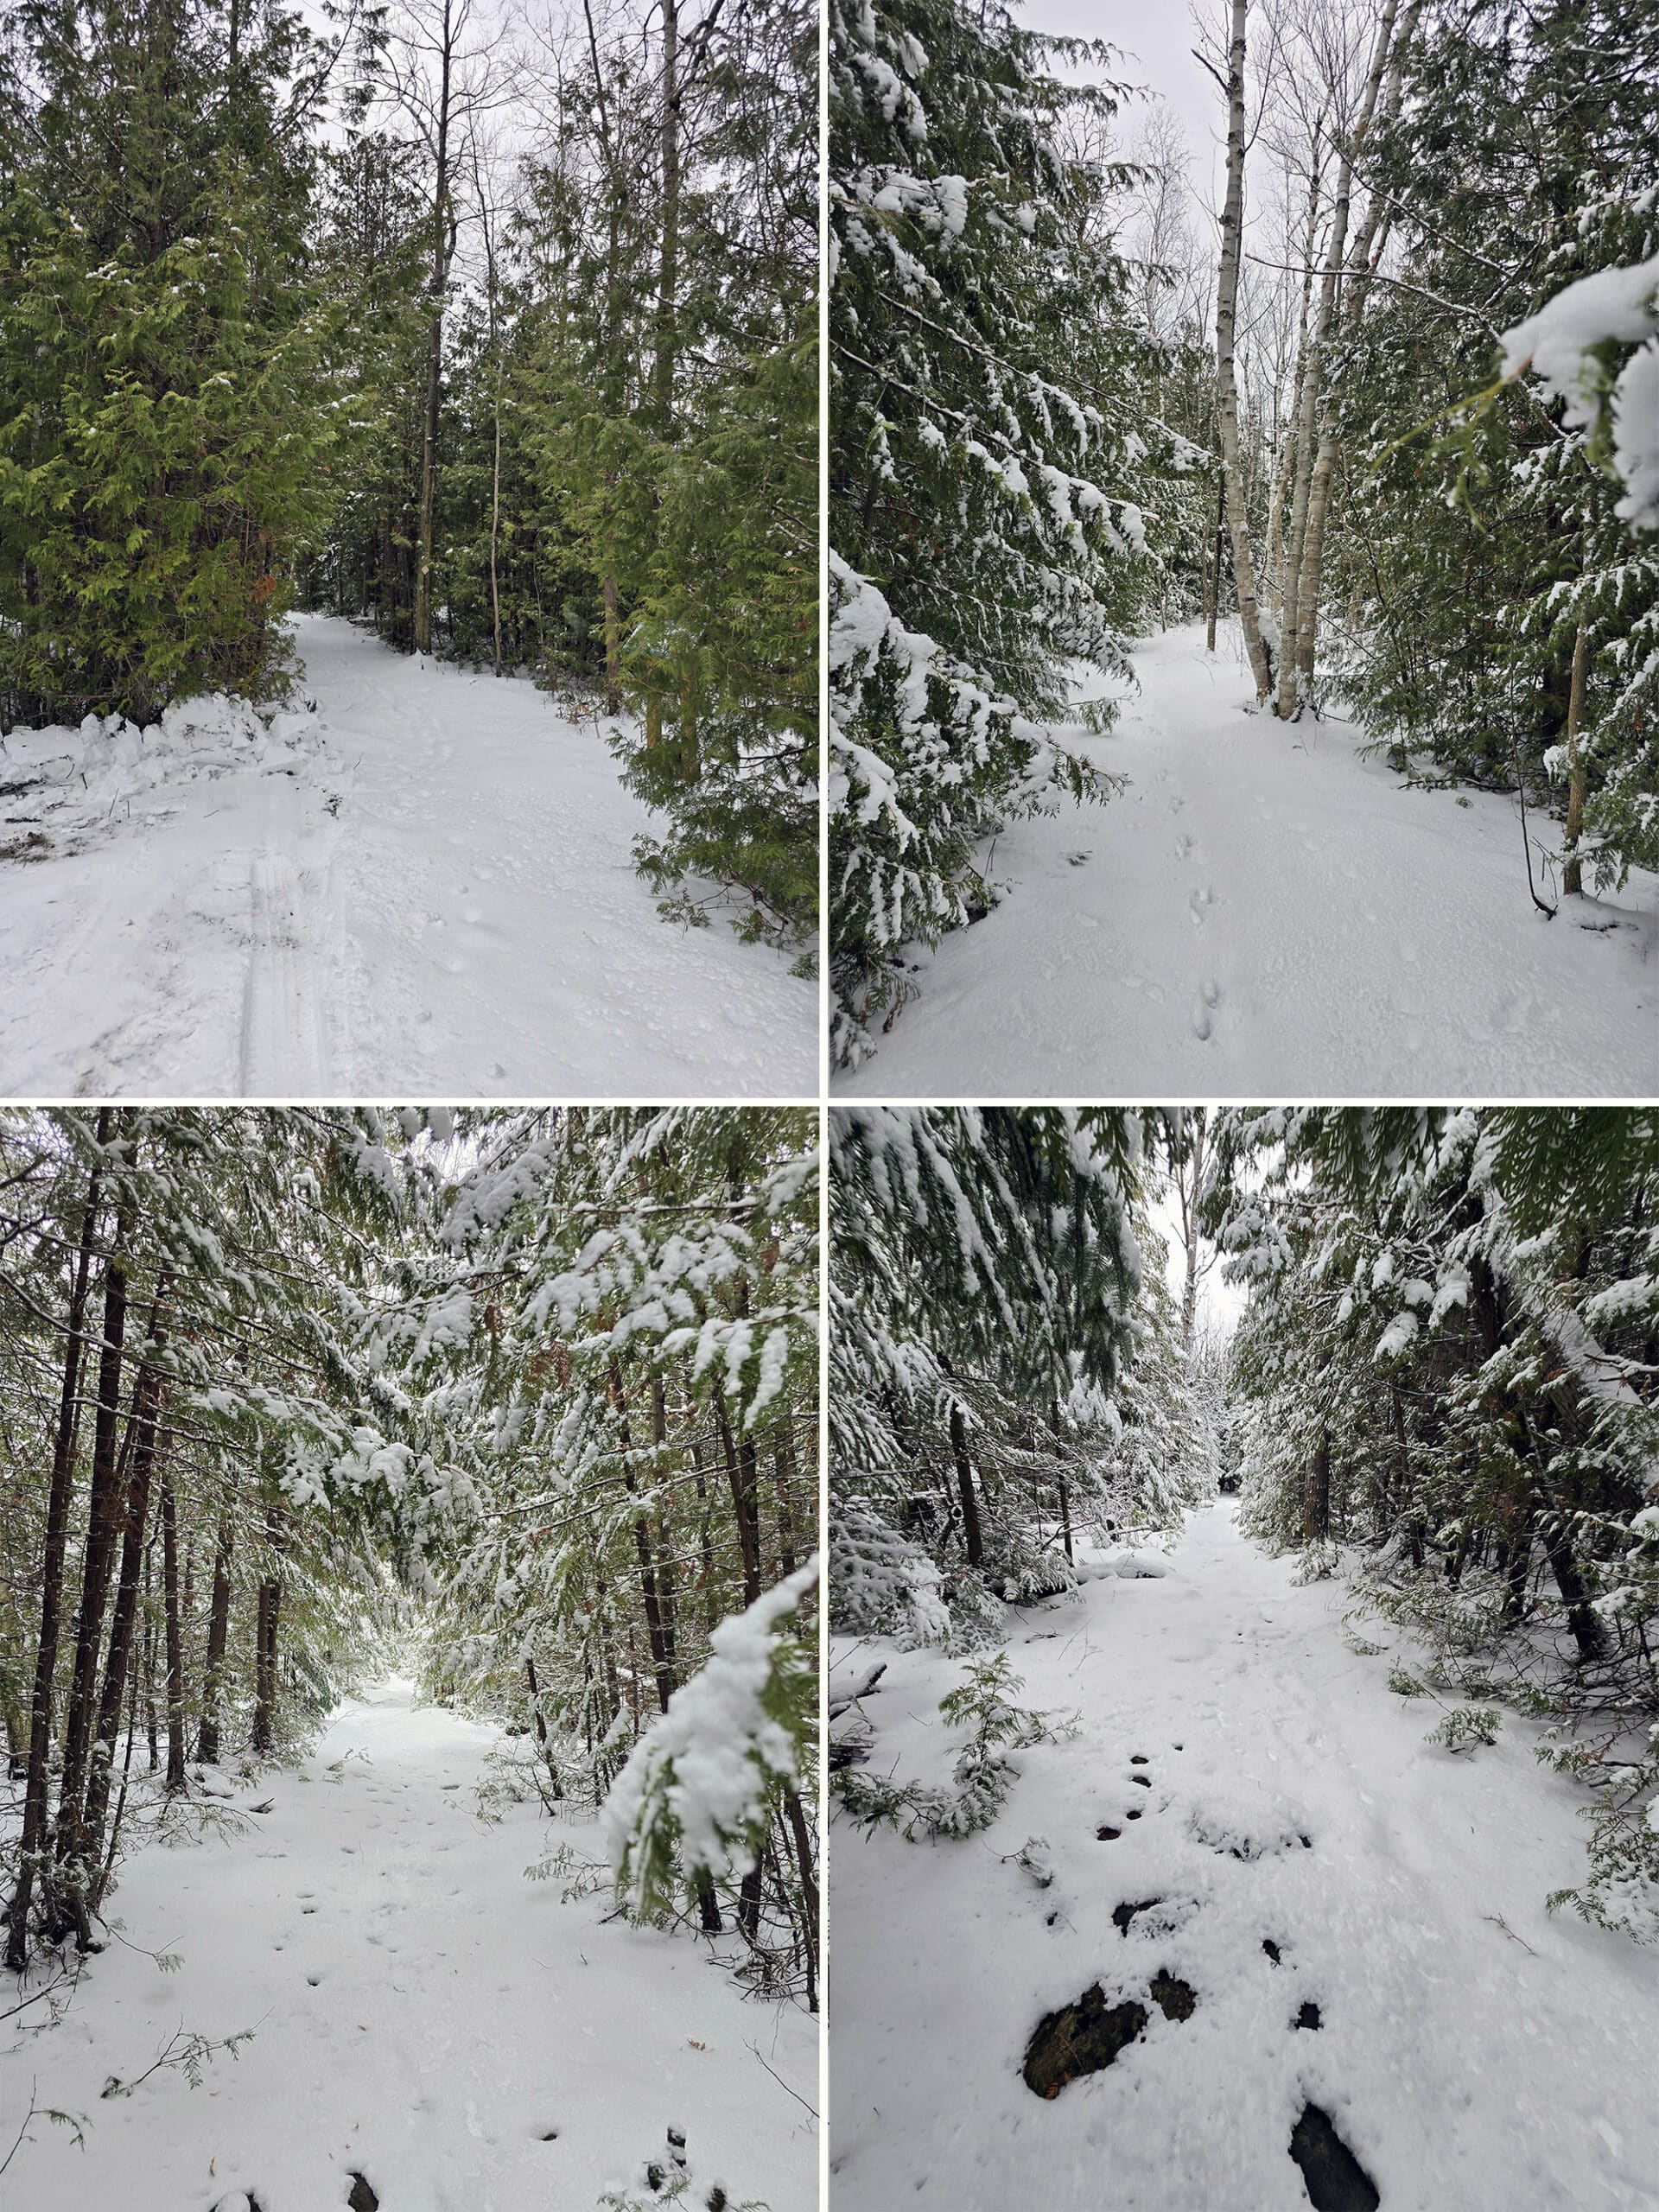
(1208, 997)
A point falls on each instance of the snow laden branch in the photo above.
(697, 1798)
(1572, 344)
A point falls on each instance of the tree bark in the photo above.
(57, 1530)
(668, 265)
(740, 1472)
(269, 1616)
(1573, 873)
(175, 1640)
(140, 1455)
(1390, 52)
(972, 1537)
(1232, 226)
(218, 1625)
(443, 239)
(662, 1667)
(102, 1507)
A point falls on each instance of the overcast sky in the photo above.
(1156, 40)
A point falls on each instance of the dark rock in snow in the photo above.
(1176, 2001)
(1335, 2179)
(1271, 1948)
(1138, 1758)
(1123, 1914)
(1145, 1780)
(1078, 2039)
(1107, 1835)
(1308, 2016)
(1131, 1816)
(362, 2198)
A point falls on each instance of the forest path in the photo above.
(423, 2014)
(428, 885)
(498, 935)
(1262, 913)
(1463, 2065)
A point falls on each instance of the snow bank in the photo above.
(70, 781)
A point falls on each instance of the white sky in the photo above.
(1156, 40)
(1220, 1304)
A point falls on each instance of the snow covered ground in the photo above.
(423, 2015)
(1466, 2062)
(1263, 914)
(427, 886)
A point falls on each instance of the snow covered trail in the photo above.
(423, 2015)
(1466, 2063)
(1264, 914)
(429, 888)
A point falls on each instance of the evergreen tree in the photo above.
(1006, 1369)
(1445, 1364)
(992, 466)
(170, 414)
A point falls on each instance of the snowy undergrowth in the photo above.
(1470, 2048)
(65, 789)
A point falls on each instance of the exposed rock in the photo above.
(1107, 1835)
(1080, 2038)
(1335, 2179)
(1138, 1758)
(1145, 1780)
(1176, 2001)
(1123, 1914)
(1308, 2016)
(363, 2198)
(1271, 1948)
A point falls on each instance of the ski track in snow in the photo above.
(423, 2013)
(1462, 2069)
(446, 901)
(1263, 914)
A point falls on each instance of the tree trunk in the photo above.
(705, 1539)
(1316, 1495)
(741, 1473)
(1391, 53)
(667, 266)
(541, 1727)
(802, 1835)
(175, 1640)
(612, 648)
(269, 1614)
(1213, 599)
(442, 247)
(784, 1469)
(1573, 874)
(140, 1454)
(643, 1552)
(1232, 226)
(103, 1509)
(57, 1530)
(218, 1625)
(971, 1538)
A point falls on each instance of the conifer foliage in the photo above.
(523, 1403)
(1445, 1377)
(996, 474)
(1006, 1370)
